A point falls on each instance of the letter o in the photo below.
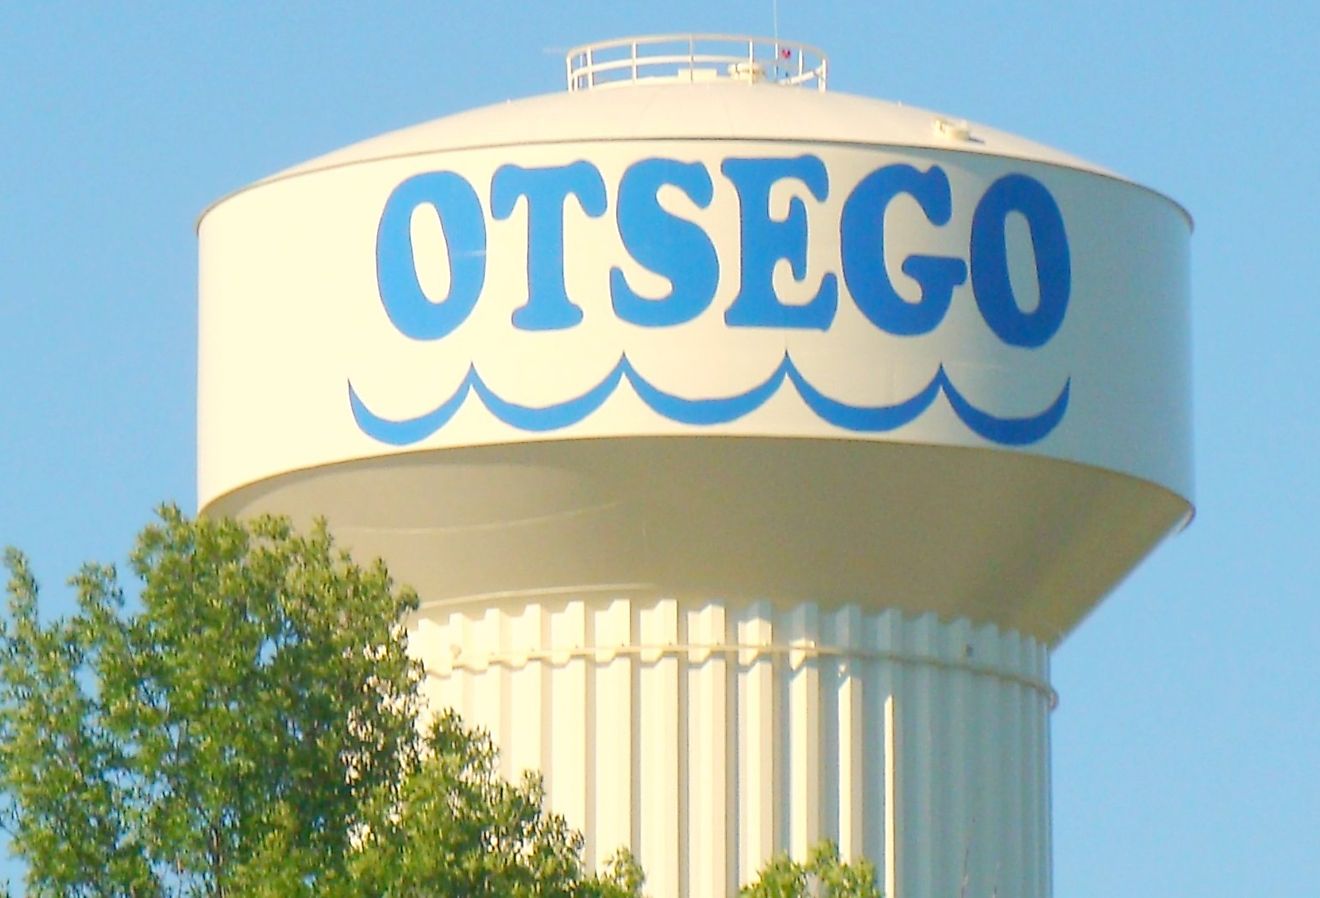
(989, 261)
(401, 293)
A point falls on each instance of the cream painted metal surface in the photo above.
(756, 441)
(707, 737)
(290, 287)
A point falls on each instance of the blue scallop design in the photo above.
(720, 410)
(704, 411)
(1006, 431)
(409, 430)
(865, 419)
(550, 417)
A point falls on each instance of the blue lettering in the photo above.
(547, 190)
(681, 252)
(862, 246)
(464, 227)
(672, 247)
(765, 242)
(990, 280)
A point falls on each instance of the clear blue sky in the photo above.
(1187, 744)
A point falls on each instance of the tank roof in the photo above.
(716, 110)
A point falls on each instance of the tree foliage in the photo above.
(251, 728)
(251, 725)
(823, 875)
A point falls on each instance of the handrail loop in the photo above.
(694, 58)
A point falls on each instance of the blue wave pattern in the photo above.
(704, 412)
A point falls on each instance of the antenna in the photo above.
(774, 16)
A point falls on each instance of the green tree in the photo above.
(251, 728)
(823, 875)
(460, 831)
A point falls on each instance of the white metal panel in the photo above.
(529, 683)
(804, 739)
(712, 821)
(661, 845)
(568, 780)
(889, 858)
(616, 717)
(856, 760)
(759, 778)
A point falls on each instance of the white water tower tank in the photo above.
(749, 444)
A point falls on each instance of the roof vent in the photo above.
(693, 58)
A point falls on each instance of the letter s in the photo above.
(672, 247)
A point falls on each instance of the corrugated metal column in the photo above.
(707, 738)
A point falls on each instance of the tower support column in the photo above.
(748, 728)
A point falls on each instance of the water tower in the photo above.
(749, 444)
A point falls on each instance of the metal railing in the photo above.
(695, 58)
